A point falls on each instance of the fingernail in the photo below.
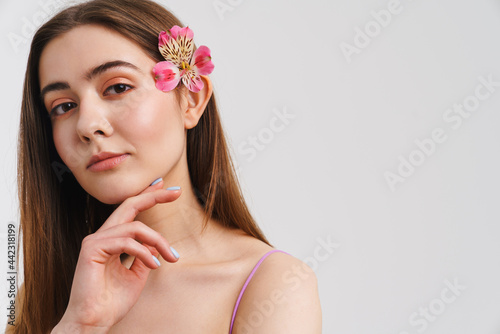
(174, 252)
(156, 181)
(173, 188)
(156, 260)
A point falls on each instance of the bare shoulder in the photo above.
(282, 297)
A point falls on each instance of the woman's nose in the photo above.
(93, 121)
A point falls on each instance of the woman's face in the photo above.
(99, 88)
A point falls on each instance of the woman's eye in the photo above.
(117, 89)
(62, 108)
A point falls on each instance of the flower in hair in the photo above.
(176, 46)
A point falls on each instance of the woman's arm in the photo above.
(281, 298)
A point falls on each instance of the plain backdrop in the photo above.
(366, 134)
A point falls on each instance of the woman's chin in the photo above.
(110, 200)
(113, 195)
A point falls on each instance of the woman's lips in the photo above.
(108, 163)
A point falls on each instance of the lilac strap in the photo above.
(248, 281)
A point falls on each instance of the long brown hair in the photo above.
(56, 213)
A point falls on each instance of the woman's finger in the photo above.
(130, 208)
(155, 185)
(116, 246)
(143, 233)
(139, 268)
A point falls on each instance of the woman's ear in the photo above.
(197, 103)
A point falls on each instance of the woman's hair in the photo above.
(56, 212)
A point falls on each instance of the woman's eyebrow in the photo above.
(93, 72)
(53, 87)
(107, 66)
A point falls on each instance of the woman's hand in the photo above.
(103, 289)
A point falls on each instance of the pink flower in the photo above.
(176, 46)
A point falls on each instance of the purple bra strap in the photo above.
(248, 281)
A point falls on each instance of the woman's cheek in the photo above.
(154, 117)
(69, 153)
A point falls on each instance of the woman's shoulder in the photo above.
(271, 261)
(281, 296)
(279, 274)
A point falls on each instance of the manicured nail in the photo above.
(156, 260)
(175, 252)
(173, 188)
(156, 181)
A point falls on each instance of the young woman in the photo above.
(131, 215)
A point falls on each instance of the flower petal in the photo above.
(169, 48)
(176, 45)
(192, 81)
(167, 76)
(174, 31)
(202, 61)
(177, 31)
(184, 39)
(163, 38)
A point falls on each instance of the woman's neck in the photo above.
(181, 223)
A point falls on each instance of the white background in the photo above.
(322, 176)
